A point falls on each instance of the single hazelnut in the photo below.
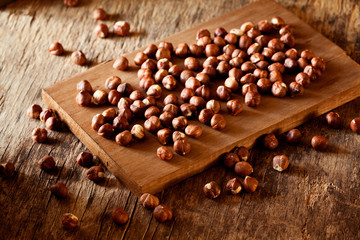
(286, 29)
(83, 98)
(160, 74)
(196, 50)
(231, 38)
(275, 76)
(162, 53)
(192, 83)
(99, 14)
(307, 54)
(71, 3)
(182, 50)
(167, 45)
(277, 67)
(188, 110)
(177, 135)
(245, 42)
(319, 143)
(232, 84)
(136, 95)
(233, 186)
(152, 111)
(120, 216)
(138, 108)
(319, 63)
(293, 136)
(203, 41)
(34, 111)
(84, 85)
(97, 121)
(203, 78)
(53, 123)
(260, 73)
(288, 39)
(144, 72)
(121, 63)
(151, 50)
(172, 108)
(47, 163)
(218, 122)
(256, 58)
(140, 58)
(252, 99)
(211, 190)
(95, 173)
(277, 22)
(69, 221)
(264, 26)
(120, 123)
(235, 73)
(230, 159)
(202, 33)
(295, 89)
(146, 82)
(185, 75)
(302, 63)
(114, 97)
(223, 68)
(193, 130)
(210, 71)
(149, 101)
(223, 93)
(248, 87)
(85, 159)
(106, 131)
(236, 62)
(312, 72)
(253, 48)
(246, 26)
(7, 169)
(125, 89)
(149, 201)
(59, 190)
(169, 82)
(203, 91)
(121, 28)
(292, 53)
(262, 40)
(280, 163)
(243, 169)
(276, 44)
(164, 153)
(182, 147)
(39, 135)
(243, 153)
(211, 50)
(290, 64)
(175, 71)
(198, 102)
(56, 49)
(100, 97)
(166, 119)
(179, 123)
(253, 33)
(164, 136)
(279, 89)
(109, 114)
(162, 213)
(234, 107)
(78, 57)
(270, 141)
(250, 184)
(192, 63)
(137, 131)
(355, 125)
(152, 124)
(248, 67)
(124, 138)
(205, 116)
(213, 105)
(101, 30)
(149, 64)
(220, 32)
(264, 85)
(278, 57)
(219, 41)
(211, 61)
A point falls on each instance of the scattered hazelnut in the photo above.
(286, 29)
(7, 169)
(213, 105)
(253, 48)
(120, 123)
(177, 135)
(160, 74)
(121, 28)
(83, 98)
(232, 84)
(138, 108)
(149, 64)
(220, 32)
(46, 113)
(218, 122)
(121, 63)
(182, 147)
(140, 58)
(188, 110)
(56, 49)
(136, 95)
(185, 75)
(39, 135)
(210, 71)
(179, 123)
(223, 68)
(252, 99)
(172, 109)
(245, 42)
(196, 50)
(246, 26)
(292, 53)
(175, 71)
(211, 50)
(182, 50)
(260, 73)
(164, 136)
(280, 163)
(53, 123)
(264, 26)
(151, 50)
(85, 159)
(243, 169)
(230, 159)
(34, 111)
(318, 63)
(144, 72)
(355, 125)
(279, 89)
(312, 72)
(203, 91)
(205, 116)
(248, 67)
(95, 173)
(253, 33)
(264, 85)
(302, 63)
(152, 111)
(101, 30)
(275, 76)
(78, 57)
(106, 131)
(100, 97)
(231, 38)
(125, 89)
(223, 93)
(124, 138)
(114, 97)
(149, 201)
(167, 45)
(137, 131)
(293, 136)
(277, 22)
(99, 14)
(192, 63)
(149, 101)
(203, 78)
(46, 163)
(288, 39)
(233, 186)
(192, 83)
(234, 107)
(211, 190)
(69, 221)
(303, 79)
(125, 112)
(219, 41)
(59, 190)
(319, 143)
(120, 216)
(152, 124)
(211, 61)
(295, 89)
(307, 54)
(262, 40)
(250, 184)
(198, 102)
(97, 121)
(112, 82)
(163, 53)
(193, 130)
(243, 153)
(166, 119)
(290, 64)
(162, 213)
(84, 85)
(270, 141)
(164, 153)
(203, 41)
(169, 82)
(146, 82)
(202, 33)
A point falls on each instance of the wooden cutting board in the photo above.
(139, 168)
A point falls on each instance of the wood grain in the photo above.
(317, 198)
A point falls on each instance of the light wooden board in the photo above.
(138, 167)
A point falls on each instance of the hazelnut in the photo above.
(253, 33)
(56, 49)
(252, 99)
(171, 108)
(213, 105)
(138, 108)
(219, 41)
(286, 29)
(277, 22)
(276, 44)
(270, 141)
(95, 173)
(71, 3)
(264, 26)
(203, 91)
(248, 87)
(319, 143)
(177, 135)
(182, 147)
(205, 116)
(121, 63)
(166, 119)
(230, 159)
(243, 169)
(248, 67)
(193, 130)
(101, 30)
(137, 131)
(7, 169)
(223, 93)
(292, 53)
(250, 184)
(144, 72)
(210, 71)
(83, 98)
(295, 89)
(318, 63)
(203, 41)
(211, 50)
(312, 72)
(109, 114)
(46, 163)
(245, 42)
(231, 38)
(169, 82)
(106, 131)
(233, 186)
(167, 45)
(34, 111)
(162, 213)
(290, 64)
(149, 201)
(211, 61)
(192, 63)
(151, 50)
(146, 82)
(97, 121)
(262, 40)
(234, 107)
(243, 153)
(120, 216)
(85, 159)
(220, 32)
(223, 68)
(275, 76)
(246, 26)
(279, 89)
(125, 89)
(288, 39)
(256, 58)
(175, 71)
(293, 136)
(185, 75)
(120, 123)
(69, 221)
(182, 50)
(84, 85)
(203, 78)
(232, 84)
(302, 63)
(236, 31)
(100, 97)
(280, 163)
(192, 83)
(149, 101)
(276, 67)
(140, 58)
(188, 110)
(307, 54)
(218, 122)
(53, 123)
(121, 28)
(99, 14)
(211, 190)
(196, 50)
(164, 136)
(355, 125)
(202, 33)
(253, 48)
(235, 73)
(264, 85)
(164, 153)
(59, 190)
(236, 62)
(149, 64)
(152, 124)
(278, 57)
(160, 74)
(39, 135)
(179, 123)
(136, 95)
(124, 138)
(125, 112)
(152, 111)
(198, 102)
(224, 58)
(114, 97)
(78, 57)
(259, 73)
(163, 53)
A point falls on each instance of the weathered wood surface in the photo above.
(317, 198)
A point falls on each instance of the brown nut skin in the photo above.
(99, 14)
(59, 190)
(7, 169)
(212, 50)
(83, 98)
(303, 79)
(166, 119)
(211, 190)
(137, 131)
(138, 108)
(245, 42)
(218, 122)
(125, 112)
(223, 69)
(121, 63)
(182, 50)
(160, 74)
(193, 130)
(84, 85)
(53, 123)
(307, 54)
(223, 93)
(71, 3)
(264, 26)
(120, 123)
(213, 105)
(85, 159)
(69, 221)
(152, 124)
(140, 58)
(248, 78)
(319, 143)
(248, 67)
(151, 50)
(276, 67)
(120, 216)
(202, 33)
(146, 82)
(312, 72)
(192, 63)
(56, 49)
(293, 136)
(162, 213)
(198, 102)
(275, 76)
(242, 153)
(253, 33)
(262, 40)
(95, 173)
(276, 44)
(252, 99)
(203, 78)
(100, 97)
(179, 123)
(288, 39)
(47, 163)
(34, 111)
(355, 125)
(175, 70)
(210, 71)
(182, 147)
(136, 95)
(78, 57)
(264, 85)
(39, 135)
(279, 89)
(125, 89)
(232, 83)
(124, 138)
(319, 63)
(302, 63)
(230, 159)
(196, 50)
(192, 83)
(205, 116)
(121, 28)
(185, 75)
(203, 41)
(167, 45)
(101, 30)
(144, 72)
(250, 184)
(290, 65)
(270, 141)
(106, 131)
(253, 48)
(233, 186)
(220, 32)
(114, 97)
(164, 153)
(152, 111)
(149, 201)
(219, 41)
(235, 73)
(177, 135)
(112, 82)
(243, 169)
(149, 64)
(234, 107)
(163, 53)
(203, 91)
(164, 136)
(169, 82)
(97, 121)
(295, 89)
(46, 113)
(188, 110)
(211, 61)
(280, 163)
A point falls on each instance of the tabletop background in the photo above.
(318, 197)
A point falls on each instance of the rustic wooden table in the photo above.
(318, 197)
